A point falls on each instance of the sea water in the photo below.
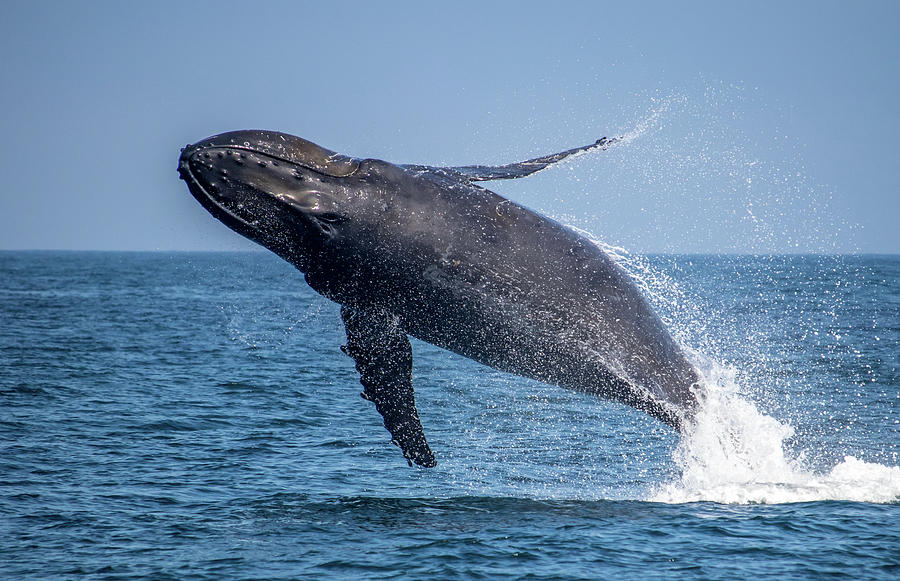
(191, 416)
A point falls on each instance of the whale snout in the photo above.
(184, 168)
(183, 160)
(196, 166)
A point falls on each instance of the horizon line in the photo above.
(266, 251)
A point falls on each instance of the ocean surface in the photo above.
(191, 416)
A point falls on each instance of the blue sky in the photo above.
(759, 127)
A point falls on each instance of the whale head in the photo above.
(281, 191)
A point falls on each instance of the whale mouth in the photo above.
(209, 192)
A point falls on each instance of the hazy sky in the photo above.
(758, 126)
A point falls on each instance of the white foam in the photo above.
(735, 454)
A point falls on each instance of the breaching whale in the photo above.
(426, 251)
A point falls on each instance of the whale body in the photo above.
(423, 251)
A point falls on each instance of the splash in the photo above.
(735, 454)
(652, 119)
(696, 172)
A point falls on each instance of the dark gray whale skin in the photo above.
(425, 251)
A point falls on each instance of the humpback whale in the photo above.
(428, 252)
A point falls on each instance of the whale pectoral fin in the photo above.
(510, 171)
(383, 358)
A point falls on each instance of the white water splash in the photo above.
(735, 454)
(651, 120)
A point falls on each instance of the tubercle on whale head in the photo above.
(287, 148)
(281, 191)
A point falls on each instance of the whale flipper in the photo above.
(383, 358)
(481, 173)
